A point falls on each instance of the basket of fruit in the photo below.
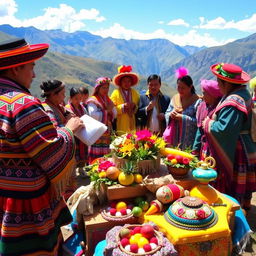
(139, 240)
(180, 163)
(125, 211)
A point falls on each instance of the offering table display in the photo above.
(215, 240)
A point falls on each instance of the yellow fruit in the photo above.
(142, 241)
(135, 238)
(125, 179)
(138, 178)
(112, 173)
(121, 205)
(174, 161)
(102, 174)
(175, 152)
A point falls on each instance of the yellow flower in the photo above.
(127, 141)
(153, 137)
(146, 146)
(160, 143)
(127, 149)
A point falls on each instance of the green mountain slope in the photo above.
(78, 71)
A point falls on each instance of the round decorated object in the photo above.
(191, 213)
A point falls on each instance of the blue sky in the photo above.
(187, 22)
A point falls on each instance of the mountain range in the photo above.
(81, 57)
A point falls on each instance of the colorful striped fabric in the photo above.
(35, 164)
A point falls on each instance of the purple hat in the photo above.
(211, 87)
(100, 81)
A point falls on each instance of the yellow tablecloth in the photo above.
(181, 236)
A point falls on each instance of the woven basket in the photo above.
(129, 218)
(145, 167)
(178, 172)
(159, 246)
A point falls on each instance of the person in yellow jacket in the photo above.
(126, 99)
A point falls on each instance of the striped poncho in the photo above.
(35, 161)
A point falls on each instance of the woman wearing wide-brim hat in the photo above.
(126, 99)
(229, 134)
(36, 159)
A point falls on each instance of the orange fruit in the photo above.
(138, 178)
(125, 179)
(112, 173)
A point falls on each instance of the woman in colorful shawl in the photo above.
(101, 108)
(228, 133)
(36, 159)
(54, 93)
(181, 113)
(126, 99)
(75, 107)
(211, 97)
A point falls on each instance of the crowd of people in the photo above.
(39, 153)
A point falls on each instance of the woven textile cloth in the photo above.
(35, 161)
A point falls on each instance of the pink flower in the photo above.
(185, 160)
(180, 211)
(129, 135)
(103, 166)
(143, 135)
(200, 214)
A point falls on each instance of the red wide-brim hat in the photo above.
(124, 71)
(230, 73)
(17, 52)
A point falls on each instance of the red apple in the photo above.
(123, 211)
(112, 211)
(153, 240)
(147, 231)
(170, 157)
(124, 241)
(134, 248)
(179, 159)
(137, 230)
(147, 247)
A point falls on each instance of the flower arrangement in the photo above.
(103, 171)
(141, 145)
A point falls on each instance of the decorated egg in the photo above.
(169, 193)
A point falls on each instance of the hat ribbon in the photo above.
(224, 73)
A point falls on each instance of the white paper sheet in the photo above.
(93, 130)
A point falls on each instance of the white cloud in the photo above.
(190, 38)
(160, 22)
(246, 25)
(178, 22)
(8, 8)
(64, 17)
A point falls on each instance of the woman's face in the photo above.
(183, 89)
(58, 98)
(84, 97)
(126, 82)
(76, 99)
(208, 98)
(103, 90)
(222, 86)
